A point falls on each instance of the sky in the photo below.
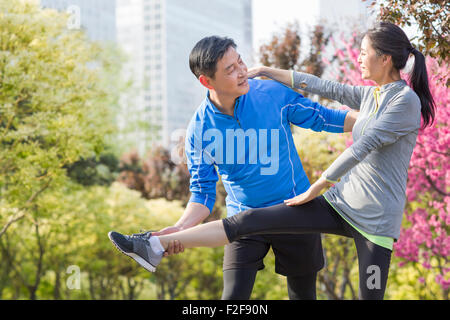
(270, 16)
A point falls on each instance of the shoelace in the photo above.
(144, 235)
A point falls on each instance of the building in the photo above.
(158, 36)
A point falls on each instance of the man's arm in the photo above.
(202, 186)
(350, 120)
(194, 214)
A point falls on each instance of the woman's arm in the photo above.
(282, 76)
(399, 119)
(343, 93)
(286, 77)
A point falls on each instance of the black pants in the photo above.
(316, 216)
(297, 256)
(238, 285)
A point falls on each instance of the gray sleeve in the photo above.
(399, 118)
(345, 94)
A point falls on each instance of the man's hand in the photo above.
(309, 194)
(174, 246)
(194, 214)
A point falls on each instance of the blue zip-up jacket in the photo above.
(253, 151)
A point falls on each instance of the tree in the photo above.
(56, 104)
(284, 50)
(95, 170)
(425, 238)
(157, 176)
(431, 18)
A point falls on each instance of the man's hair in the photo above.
(206, 53)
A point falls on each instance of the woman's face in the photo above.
(371, 64)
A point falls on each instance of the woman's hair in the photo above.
(389, 39)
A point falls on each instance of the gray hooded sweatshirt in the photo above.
(370, 176)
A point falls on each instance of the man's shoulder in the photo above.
(270, 87)
(265, 85)
(198, 118)
(201, 110)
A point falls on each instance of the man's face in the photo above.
(231, 75)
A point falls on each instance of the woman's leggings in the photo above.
(316, 216)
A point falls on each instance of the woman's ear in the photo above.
(386, 59)
(205, 81)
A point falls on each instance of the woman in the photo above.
(367, 199)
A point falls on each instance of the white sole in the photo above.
(134, 256)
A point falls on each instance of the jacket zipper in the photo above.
(233, 117)
(376, 95)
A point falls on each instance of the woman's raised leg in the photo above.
(316, 216)
(210, 234)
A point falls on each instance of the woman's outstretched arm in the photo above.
(280, 75)
(343, 93)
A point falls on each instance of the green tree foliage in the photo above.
(55, 103)
(157, 176)
(430, 17)
(69, 227)
(95, 170)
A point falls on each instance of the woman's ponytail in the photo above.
(387, 38)
(419, 83)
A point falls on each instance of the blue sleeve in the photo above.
(307, 114)
(203, 173)
(311, 115)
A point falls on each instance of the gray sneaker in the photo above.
(138, 248)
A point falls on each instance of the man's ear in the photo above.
(205, 81)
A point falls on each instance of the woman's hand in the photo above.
(283, 76)
(255, 72)
(309, 194)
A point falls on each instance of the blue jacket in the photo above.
(253, 151)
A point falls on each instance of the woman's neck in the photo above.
(389, 78)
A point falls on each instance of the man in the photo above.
(242, 132)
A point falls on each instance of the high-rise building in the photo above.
(158, 36)
(96, 17)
